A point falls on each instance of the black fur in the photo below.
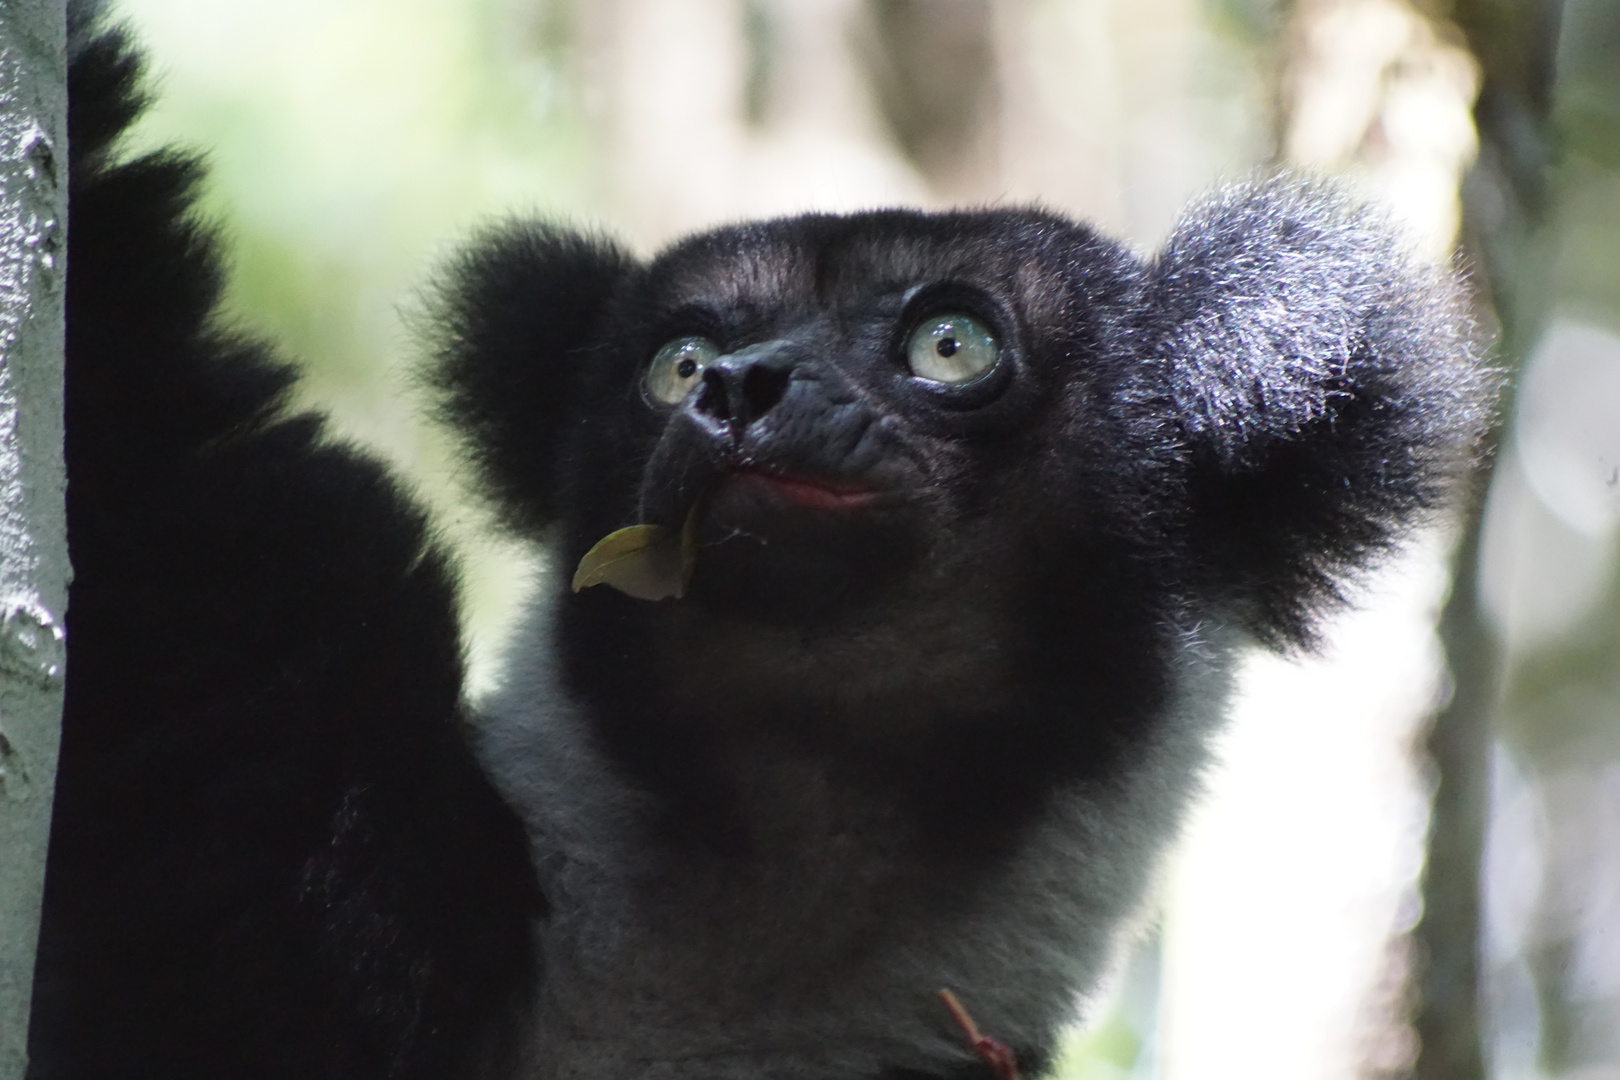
(274, 853)
(1314, 374)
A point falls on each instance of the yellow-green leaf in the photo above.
(642, 561)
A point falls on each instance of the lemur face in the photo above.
(839, 407)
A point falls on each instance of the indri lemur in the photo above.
(967, 514)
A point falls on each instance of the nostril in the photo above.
(740, 393)
(712, 397)
(762, 387)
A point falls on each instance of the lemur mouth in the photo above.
(652, 561)
(815, 493)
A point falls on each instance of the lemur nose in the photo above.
(740, 387)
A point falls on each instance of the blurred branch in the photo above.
(1505, 202)
(1458, 747)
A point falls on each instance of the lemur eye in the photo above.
(676, 367)
(951, 348)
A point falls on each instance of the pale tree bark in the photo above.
(1503, 202)
(33, 528)
(1512, 45)
(1383, 91)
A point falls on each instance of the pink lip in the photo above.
(818, 494)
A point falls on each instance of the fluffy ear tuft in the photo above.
(1327, 391)
(514, 313)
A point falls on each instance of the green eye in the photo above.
(951, 348)
(678, 366)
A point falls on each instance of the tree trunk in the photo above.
(33, 527)
(1504, 203)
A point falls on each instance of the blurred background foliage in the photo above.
(1399, 871)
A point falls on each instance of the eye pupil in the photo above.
(947, 346)
(686, 368)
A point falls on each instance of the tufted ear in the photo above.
(515, 312)
(1325, 391)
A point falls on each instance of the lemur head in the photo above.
(930, 468)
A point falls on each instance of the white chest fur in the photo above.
(822, 959)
